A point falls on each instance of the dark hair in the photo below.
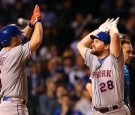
(48, 80)
(125, 41)
(122, 36)
(61, 85)
(65, 95)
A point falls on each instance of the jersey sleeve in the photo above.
(118, 65)
(21, 52)
(25, 51)
(119, 58)
(88, 57)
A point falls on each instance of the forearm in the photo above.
(38, 28)
(115, 46)
(115, 36)
(87, 41)
(37, 36)
(38, 33)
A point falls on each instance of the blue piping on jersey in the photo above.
(101, 60)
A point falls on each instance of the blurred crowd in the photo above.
(56, 73)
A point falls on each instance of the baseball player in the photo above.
(127, 52)
(15, 52)
(106, 62)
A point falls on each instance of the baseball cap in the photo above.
(103, 36)
(84, 86)
(59, 70)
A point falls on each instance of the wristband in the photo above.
(38, 20)
(30, 25)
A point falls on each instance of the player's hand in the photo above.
(115, 22)
(113, 25)
(36, 17)
(105, 27)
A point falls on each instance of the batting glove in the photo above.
(113, 25)
(105, 27)
(36, 17)
(115, 22)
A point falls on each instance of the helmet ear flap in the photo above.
(3, 39)
(1, 35)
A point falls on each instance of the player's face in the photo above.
(60, 91)
(98, 47)
(17, 40)
(127, 50)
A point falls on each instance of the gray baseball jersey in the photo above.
(13, 81)
(107, 79)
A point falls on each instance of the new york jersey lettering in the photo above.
(102, 73)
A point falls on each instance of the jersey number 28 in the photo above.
(106, 86)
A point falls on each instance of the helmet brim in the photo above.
(94, 36)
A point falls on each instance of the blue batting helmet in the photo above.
(9, 31)
(103, 36)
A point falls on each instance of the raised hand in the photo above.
(113, 25)
(115, 22)
(36, 17)
(105, 27)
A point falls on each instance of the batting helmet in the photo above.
(9, 31)
(103, 36)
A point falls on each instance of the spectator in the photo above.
(129, 28)
(52, 64)
(68, 60)
(127, 51)
(84, 104)
(76, 94)
(55, 104)
(80, 22)
(35, 87)
(66, 107)
(46, 98)
(54, 50)
(49, 16)
(60, 76)
(74, 43)
(78, 73)
(120, 8)
(132, 85)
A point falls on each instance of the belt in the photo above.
(13, 99)
(106, 109)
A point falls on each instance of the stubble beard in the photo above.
(96, 53)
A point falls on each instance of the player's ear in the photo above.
(13, 39)
(107, 46)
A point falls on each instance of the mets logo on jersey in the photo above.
(102, 73)
(1, 60)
